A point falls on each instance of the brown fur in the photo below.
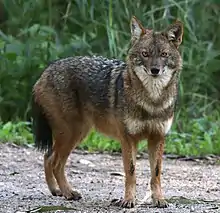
(128, 101)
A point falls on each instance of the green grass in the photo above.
(195, 137)
(16, 132)
(28, 41)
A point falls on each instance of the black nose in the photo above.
(155, 71)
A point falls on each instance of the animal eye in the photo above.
(145, 54)
(164, 54)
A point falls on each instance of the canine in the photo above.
(129, 100)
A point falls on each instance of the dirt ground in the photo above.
(189, 186)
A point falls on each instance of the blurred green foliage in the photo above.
(33, 33)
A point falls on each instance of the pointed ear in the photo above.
(136, 28)
(175, 33)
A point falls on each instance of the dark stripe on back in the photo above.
(119, 86)
(100, 88)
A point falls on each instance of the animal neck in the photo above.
(151, 94)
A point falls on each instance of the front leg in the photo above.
(156, 149)
(129, 152)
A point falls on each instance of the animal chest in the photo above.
(136, 126)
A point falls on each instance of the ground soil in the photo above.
(189, 186)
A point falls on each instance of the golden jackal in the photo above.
(129, 101)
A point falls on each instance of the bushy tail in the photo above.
(41, 129)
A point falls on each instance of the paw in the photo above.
(160, 203)
(56, 192)
(72, 195)
(124, 203)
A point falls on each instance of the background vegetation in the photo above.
(33, 33)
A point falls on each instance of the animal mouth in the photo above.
(154, 75)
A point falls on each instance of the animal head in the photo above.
(155, 55)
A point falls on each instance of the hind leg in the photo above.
(64, 143)
(50, 178)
